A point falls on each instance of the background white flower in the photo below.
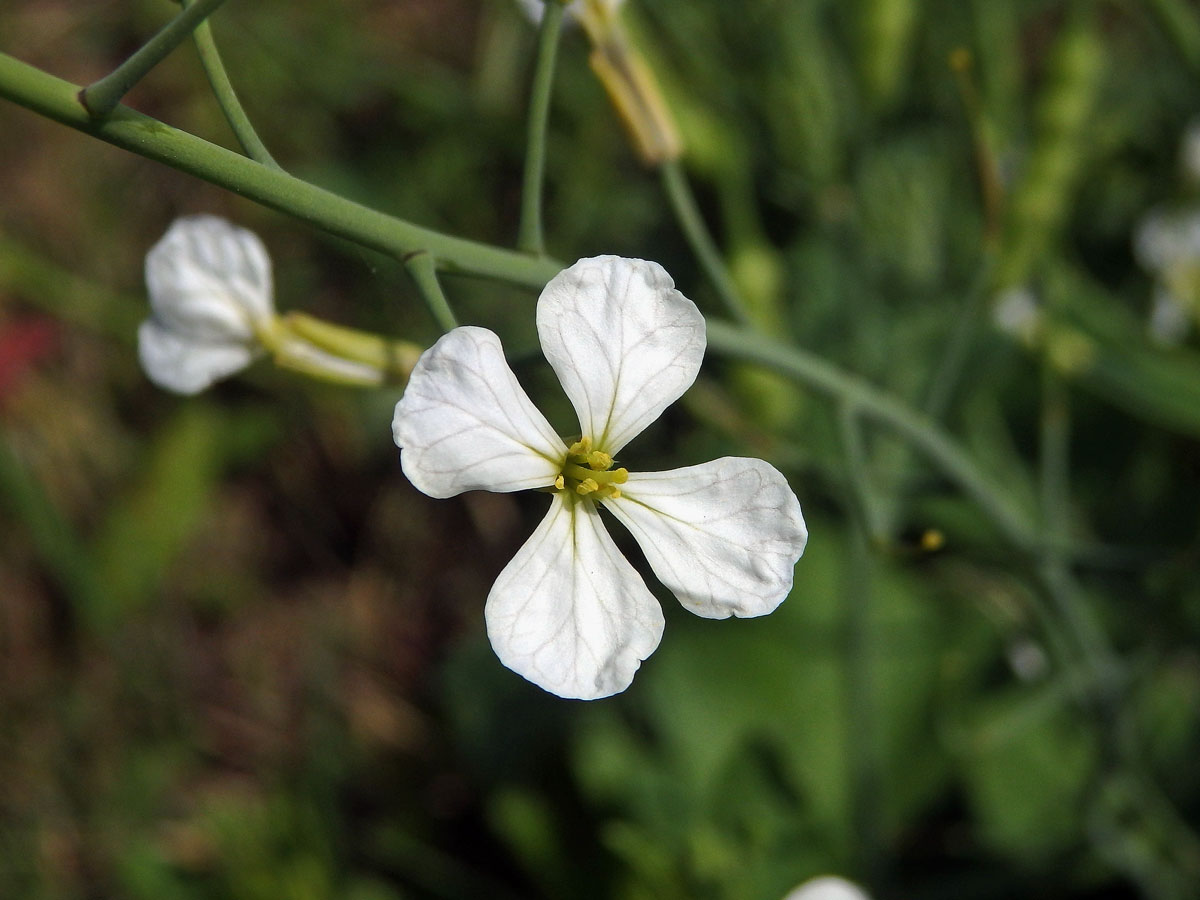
(211, 302)
(1167, 245)
(569, 613)
(827, 887)
(535, 9)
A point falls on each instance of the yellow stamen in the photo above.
(587, 486)
(598, 459)
(560, 483)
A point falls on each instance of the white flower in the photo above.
(1167, 244)
(213, 313)
(534, 9)
(210, 299)
(569, 612)
(1016, 312)
(827, 887)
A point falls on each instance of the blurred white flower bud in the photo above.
(1016, 313)
(1167, 245)
(534, 9)
(827, 887)
(211, 304)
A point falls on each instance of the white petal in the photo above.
(569, 612)
(624, 343)
(210, 280)
(464, 422)
(827, 887)
(185, 366)
(535, 9)
(723, 536)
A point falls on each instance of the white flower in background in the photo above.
(534, 9)
(828, 887)
(211, 303)
(1167, 244)
(213, 313)
(1016, 312)
(569, 612)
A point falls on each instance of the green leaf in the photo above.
(165, 506)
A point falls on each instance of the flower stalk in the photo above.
(530, 237)
(102, 97)
(227, 99)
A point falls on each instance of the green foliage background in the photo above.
(241, 657)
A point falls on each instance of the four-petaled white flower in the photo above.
(569, 612)
(211, 303)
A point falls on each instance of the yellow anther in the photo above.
(560, 483)
(581, 447)
(599, 460)
(614, 493)
(587, 486)
(620, 476)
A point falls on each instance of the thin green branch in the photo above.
(57, 99)
(423, 270)
(103, 96)
(919, 430)
(683, 204)
(529, 235)
(860, 682)
(858, 467)
(948, 375)
(1054, 490)
(227, 98)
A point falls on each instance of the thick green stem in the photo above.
(102, 97)
(57, 99)
(529, 235)
(424, 275)
(227, 98)
(683, 203)
(919, 430)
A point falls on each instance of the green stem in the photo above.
(918, 429)
(103, 96)
(227, 98)
(683, 204)
(949, 372)
(57, 99)
(858, 469)
(529, 234)
(1054, 490)
(861, 736)
(423, 270)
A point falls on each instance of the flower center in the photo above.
(589, 473)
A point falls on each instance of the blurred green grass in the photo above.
(241, 657)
